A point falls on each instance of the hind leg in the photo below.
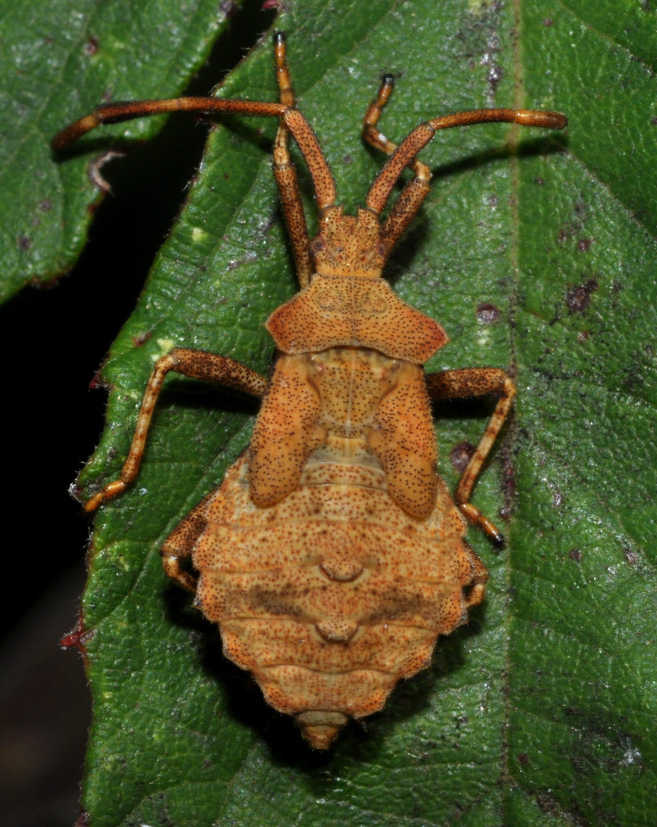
(178, 546)
(473, 382)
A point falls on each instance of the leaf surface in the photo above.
(62, 59)
(537, 254)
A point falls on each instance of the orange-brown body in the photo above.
(332, 555)
(333, 594)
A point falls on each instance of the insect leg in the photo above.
(414, 193)
(419, 137)
(194, 363)
(471, 382)
(295, 122)
(286, 174)
(179, 544)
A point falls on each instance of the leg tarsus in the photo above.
(111, 490)
(474, 515)
(476, 591)
(174, 570)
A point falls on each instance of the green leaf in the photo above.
(61, 59)
(537, 253)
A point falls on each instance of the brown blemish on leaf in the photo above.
(77, 638)
(565, 233)
(141, 339)
(578, 298)
(460, 455)
(487, 313)
(98, 381)
(573, 228)
(575, 554)
(90, 47)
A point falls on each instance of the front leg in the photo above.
(471, 382)
(194, 363)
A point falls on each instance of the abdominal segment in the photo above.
(333, 594)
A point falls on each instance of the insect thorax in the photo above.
(354, 311)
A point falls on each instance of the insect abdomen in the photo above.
(334, 593)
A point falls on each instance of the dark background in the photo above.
(53, 341)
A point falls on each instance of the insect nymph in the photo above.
(332, 556)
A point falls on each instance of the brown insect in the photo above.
(332, 556)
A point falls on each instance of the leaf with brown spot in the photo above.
(557, 666)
